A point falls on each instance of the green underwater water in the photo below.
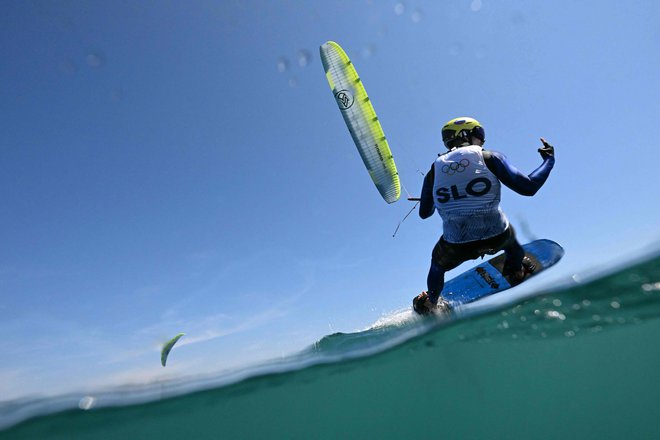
(577, 363)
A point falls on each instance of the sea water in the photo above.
(578, 362)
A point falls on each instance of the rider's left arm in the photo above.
(426, 205)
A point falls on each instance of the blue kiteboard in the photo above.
(487, 278)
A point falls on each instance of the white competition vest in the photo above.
(467, 196)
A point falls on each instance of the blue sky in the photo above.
(181, 166)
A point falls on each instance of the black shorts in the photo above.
(450, 255)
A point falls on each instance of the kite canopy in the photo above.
(361, 119)
(168, 347)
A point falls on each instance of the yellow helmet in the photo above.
(460, 129)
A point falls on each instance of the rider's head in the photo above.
(463, 131)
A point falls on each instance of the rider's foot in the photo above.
(423, 305)
(527, 269)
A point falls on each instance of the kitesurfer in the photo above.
(463, 185)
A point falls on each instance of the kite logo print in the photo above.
(345, 99)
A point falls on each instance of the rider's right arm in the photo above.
(426, 205)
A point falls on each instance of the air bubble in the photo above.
(293, 82)
(304, 58)
(518, 18)
(95, 60)
(87, 403)
(399, 9)
(416, 16)
(282, 64)
(615, 305)
(368, 51)
(553, 314)
(455, 49)
(650, 287)
(476, 5)
(117, 95)
(68, 66)
(556, 302)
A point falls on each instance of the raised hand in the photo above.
(547, 150)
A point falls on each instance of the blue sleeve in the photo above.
(426, 205)
(513, 178)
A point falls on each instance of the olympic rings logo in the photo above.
(455, 167)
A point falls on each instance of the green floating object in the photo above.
(168, 347)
